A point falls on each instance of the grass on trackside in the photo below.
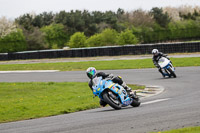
(19, 101)
(193, 41)
(99, 65)
(182, 130)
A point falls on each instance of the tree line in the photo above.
(77, 28)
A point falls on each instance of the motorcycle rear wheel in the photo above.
(136, 102)
(108, 99)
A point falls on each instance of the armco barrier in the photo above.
(104, 51)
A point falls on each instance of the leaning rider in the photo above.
(156, 56)
(92, 73)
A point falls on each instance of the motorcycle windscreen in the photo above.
(97, 82)
(163, 62)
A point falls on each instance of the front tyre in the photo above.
(172, 72)
(112, 101)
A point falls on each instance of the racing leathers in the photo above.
(156, 58)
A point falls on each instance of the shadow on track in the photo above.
(109, 109)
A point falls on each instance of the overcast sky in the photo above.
(15, 8)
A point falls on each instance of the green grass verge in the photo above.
(100, 65)
(19, 101)
(182, 130)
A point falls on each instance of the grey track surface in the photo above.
(178, 106)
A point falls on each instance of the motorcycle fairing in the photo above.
(165, 65)
(101, 85)
(122, 94)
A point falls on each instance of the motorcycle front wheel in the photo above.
(172, 72)
(110, 98)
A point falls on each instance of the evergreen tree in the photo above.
(161, 18)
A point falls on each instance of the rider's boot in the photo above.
(102, 103)
(128, 89)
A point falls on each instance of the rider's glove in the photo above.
(111, 76)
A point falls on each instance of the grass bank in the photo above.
(100, 65)
(19, 101)
(183, 130)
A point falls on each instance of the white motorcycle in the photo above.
(166, 67)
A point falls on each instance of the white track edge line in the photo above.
(155, 101)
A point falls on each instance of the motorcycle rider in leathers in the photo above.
(92, 73)
(156, 56)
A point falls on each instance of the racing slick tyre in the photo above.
(172, 72)
(136, 102)
(112, 100)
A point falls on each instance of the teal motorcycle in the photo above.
(113, 94)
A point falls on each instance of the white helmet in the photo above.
(155, 51)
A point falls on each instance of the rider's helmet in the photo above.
(155, 52)
(91, 71)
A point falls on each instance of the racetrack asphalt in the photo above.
(178, 106)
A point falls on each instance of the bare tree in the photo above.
(140, 18)
(173, 13)
(184, 10)
(6, 27)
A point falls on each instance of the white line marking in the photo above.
(29, 71)
(155, 101)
